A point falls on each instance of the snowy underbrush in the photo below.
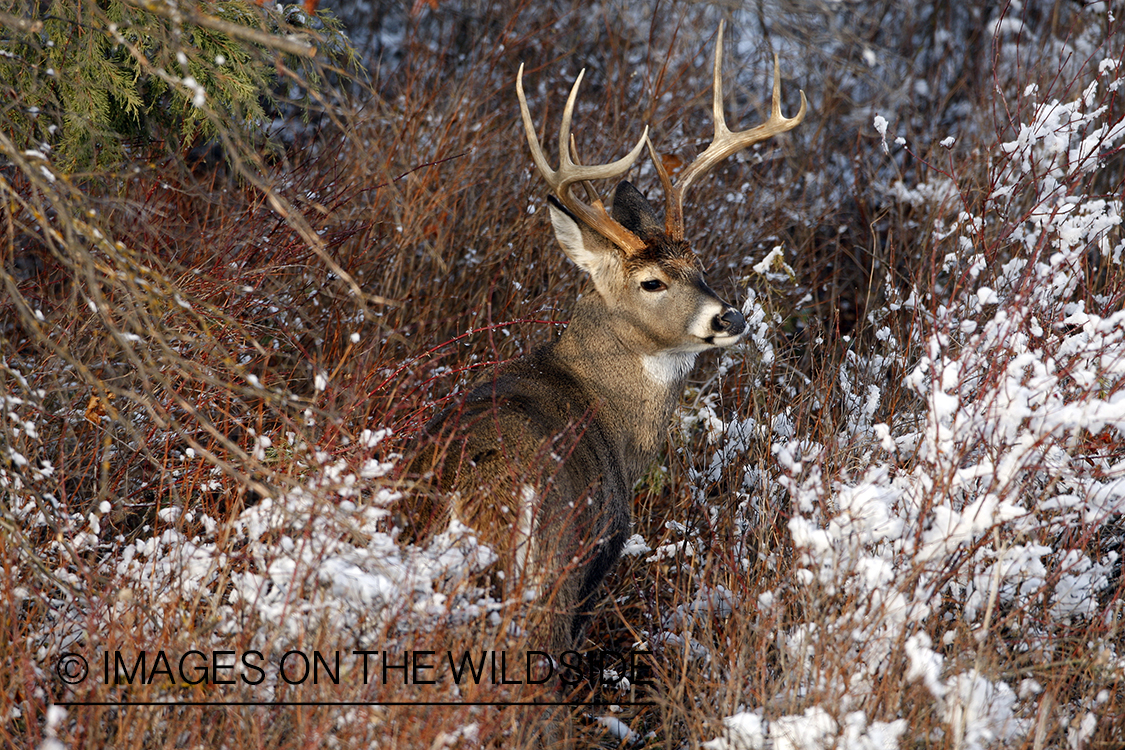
(313, 568)
(956, 568)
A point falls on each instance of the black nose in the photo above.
(730, 322)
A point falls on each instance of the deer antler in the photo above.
(724, 144)
(570, 172)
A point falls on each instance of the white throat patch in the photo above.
(668, 367)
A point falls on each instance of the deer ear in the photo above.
(584, 246)
(632, 211)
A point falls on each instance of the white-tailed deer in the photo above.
(541, 457)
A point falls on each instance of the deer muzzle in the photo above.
(729, 323)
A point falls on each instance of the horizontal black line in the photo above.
(350, 703)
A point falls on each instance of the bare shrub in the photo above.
(892, 519)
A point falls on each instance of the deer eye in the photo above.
(653, 285)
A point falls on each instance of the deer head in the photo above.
(645, 273)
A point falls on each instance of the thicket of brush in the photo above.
(892, 518)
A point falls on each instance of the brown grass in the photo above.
(176, 315)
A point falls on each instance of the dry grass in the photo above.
(172, 317)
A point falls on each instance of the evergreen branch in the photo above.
(254, 36)
(21, 24)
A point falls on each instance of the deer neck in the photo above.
(635, 393)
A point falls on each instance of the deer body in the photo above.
(558, 439)
(541, 458)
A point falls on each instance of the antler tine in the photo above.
(537, 155)
(591, 194)
(570, 172)
(725, 143)
(661, 172)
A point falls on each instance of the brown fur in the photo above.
(577, 420)
(674, 257)
(575, 424)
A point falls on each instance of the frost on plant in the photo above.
(980, 506)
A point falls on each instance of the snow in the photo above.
(1013, 373)
(742, 731)
(880, 124)
(914, 527)
(618, 729)
(979, 712)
